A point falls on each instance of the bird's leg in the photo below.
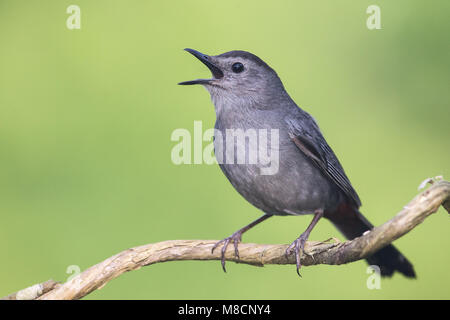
(236, 238)
(299, 244)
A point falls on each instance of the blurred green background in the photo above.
(86, 117)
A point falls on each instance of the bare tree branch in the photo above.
(330, 253)
(33, 292)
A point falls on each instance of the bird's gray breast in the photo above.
(282, 180)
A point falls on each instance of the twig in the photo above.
(412, 215)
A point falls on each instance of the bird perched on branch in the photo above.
(249, 98)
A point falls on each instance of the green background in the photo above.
(86, 117)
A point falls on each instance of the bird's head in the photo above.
(237, 75)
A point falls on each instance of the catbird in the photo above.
(248, 94)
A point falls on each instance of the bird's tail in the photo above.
(353, 224)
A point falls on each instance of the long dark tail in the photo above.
(353, 224)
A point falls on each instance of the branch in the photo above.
(332, 253)
(33, 292)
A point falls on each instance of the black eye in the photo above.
(237, 67)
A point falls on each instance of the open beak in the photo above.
(216, 72)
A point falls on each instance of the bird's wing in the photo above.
(306, 135)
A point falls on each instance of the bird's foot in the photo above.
(235, 238)
(298, 246)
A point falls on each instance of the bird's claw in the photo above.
(235, 238)
(298, 246)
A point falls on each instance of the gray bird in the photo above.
(249, 95)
